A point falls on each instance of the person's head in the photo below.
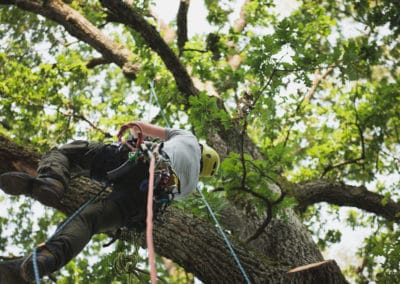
(209, 162)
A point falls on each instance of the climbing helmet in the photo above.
(209, 163)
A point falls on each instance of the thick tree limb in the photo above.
(181, 236)
(79, 27)
(124, 14)
(346, 195)
(15, 158)
(10, 272)
(181, 20)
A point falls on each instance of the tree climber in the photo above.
(125, 206)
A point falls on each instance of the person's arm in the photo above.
(148, 129)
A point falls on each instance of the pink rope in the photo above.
(149, 220)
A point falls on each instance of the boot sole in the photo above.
(17, 183)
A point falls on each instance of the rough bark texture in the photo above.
(10, 272)
(201, 250)
(285, 240)
(181, 20)
(16, 158)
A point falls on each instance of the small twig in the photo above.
(242, 159)
(317, 81)
(340, 164)
(264, 87)
(354, 160)
(264, 224)
(255, 194)
(194, 49)
(269, 205)
(84, 118)
(96, 62)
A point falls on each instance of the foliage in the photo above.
(316, 89)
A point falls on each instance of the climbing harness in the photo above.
(163, 184)
(229, 245)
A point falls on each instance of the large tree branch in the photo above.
(181, 20)
(346, 195)
(15, 158)
(181, 236)
(124, 14)
(79, 27)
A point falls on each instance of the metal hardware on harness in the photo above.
(166, 182)
(123, 169)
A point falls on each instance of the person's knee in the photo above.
(102, 216)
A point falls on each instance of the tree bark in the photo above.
(181, 20)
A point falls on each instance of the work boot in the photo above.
(10, 272)
(46, 264)
(47, 190)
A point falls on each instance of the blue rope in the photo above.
(153, 93)
(59, 228)
(232, 251)
(35, 266)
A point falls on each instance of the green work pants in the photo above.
(125, 206)
(100, 217)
